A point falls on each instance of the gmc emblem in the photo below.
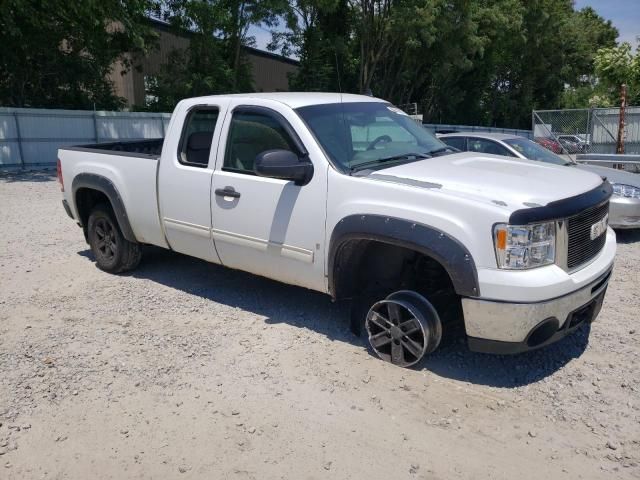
(599, 227)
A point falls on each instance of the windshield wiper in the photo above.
(402, 156)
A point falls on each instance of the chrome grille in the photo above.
(580, 247)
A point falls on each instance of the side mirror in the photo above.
(285, 165)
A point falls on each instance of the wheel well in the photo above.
(371, 268)
(86, 200)
(363, 266)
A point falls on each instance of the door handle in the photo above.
(227, 192)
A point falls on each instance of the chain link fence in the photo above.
(582, 134)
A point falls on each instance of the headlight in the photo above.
(626, 191)
(525, 246)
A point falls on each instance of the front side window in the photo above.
(250, 134)
(369, 134)
(197, 136)
(533, 151)
(456, 142)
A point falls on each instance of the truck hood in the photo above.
(513, 183)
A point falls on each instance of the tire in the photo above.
(113, 252)
(402, 328)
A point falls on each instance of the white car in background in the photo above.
(625, 203)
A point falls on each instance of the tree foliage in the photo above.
(317, 32)
(214, 61)
(617, 66)
(464, 61)
(58, 54)
(199, 69)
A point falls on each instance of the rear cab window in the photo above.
(197, 136)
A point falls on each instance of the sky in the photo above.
(624, 14)
(263, 36)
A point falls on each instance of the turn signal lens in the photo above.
(501, 239)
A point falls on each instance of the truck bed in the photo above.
(135, 148)
(131, 168)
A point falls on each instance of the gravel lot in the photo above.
(188, 370)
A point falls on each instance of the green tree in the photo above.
(616, 66)
(317, 33)
(200, 69)
(464, 61)
(530, 52)
(58, 54)
(214, 62)
(589, 32)
(462, 68)
(234, 28)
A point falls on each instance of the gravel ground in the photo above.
(187, 370)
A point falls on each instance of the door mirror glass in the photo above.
(285, 165)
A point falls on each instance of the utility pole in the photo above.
(623, 104)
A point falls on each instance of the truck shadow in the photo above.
(305, 309)
(28, 176)
(628, 236)
(455, 361)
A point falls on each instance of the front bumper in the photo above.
(506, 328)
(624, 212)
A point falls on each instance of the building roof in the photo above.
(299, 99)
(167, 27)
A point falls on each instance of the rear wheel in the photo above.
(113, 252)
(403, 327)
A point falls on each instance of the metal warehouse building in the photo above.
(270, 71)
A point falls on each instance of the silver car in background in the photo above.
(624, 209)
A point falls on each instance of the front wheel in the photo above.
(113, 252)
(403, 328)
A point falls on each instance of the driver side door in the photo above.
(267, 226)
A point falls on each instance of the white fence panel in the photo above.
(9, 146)
(30, 138)
(119, 125)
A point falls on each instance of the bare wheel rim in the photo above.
(396, 332)
(106, 239)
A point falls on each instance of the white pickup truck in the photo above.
(346, 195)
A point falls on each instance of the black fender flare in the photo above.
(104, 185)
(449, 252)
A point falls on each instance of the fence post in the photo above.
(533, 122)
(623, 105)
(604, 127)
(95, 125)
(20, 150)
(162, 123)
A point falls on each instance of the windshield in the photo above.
(533, 151)
(369, 134)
